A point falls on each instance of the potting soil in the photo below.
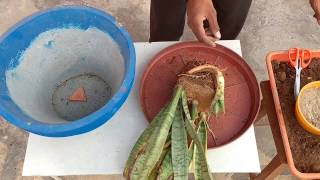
(310, 105)
(198, 86)
(305, 146)
(198, 89)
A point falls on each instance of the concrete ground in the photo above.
(271, 25)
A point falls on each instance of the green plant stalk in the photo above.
(194, 110)
(148, 159)
(205, 172)
(154, 173)
(179, 147)
(194, 116)
(184, 101)
(142, 142)
(198, 161)
(166, 170)
(217, 104)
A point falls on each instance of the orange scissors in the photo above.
(299, 59)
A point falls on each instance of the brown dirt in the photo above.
(199, 86)
(305, 147)
(197, 90)
(310, 105)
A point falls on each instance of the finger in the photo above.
(315, 4)
(210, 35)
(312, 3)
(208, 32)
(317, 17)
(199, 32)
(213, 40)
(214, 26)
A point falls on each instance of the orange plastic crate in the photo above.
(282, 56)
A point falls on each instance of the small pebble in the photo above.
(282, 76)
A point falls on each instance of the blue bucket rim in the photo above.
(93, 120)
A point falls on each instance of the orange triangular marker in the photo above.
(78, 95)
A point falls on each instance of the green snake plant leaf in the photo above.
(147, 160)
(205, 172)
(179, 147)
(200, 164)
(141, 143)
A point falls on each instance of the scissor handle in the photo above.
(293, 54)
(306, 57)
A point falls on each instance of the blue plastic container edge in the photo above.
(95, 119)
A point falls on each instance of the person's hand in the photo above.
(315, 4)
(197, 12)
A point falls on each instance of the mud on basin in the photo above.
(48, 56)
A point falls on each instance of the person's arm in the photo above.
(197, 12)
(315, 4)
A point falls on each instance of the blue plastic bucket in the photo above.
(14, 42)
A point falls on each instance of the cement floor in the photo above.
(271, 25)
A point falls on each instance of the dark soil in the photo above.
(310, 105)
(305, 147)
(199, 86)
(198, 89)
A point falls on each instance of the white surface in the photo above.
(55, 56)
(105, 150)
